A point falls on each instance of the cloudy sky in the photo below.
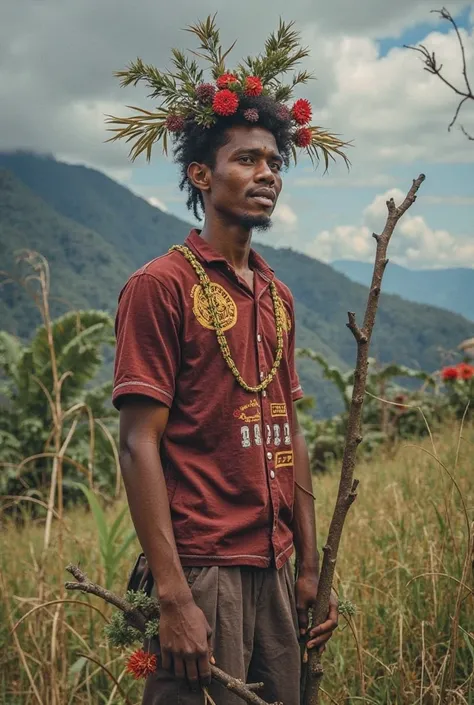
(57, 59)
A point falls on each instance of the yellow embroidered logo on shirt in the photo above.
(248, 412)
(224, 303)
(284, 459)
(278, 409)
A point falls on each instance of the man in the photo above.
(214, 463)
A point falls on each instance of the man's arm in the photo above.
(184, 630)
(304, 530)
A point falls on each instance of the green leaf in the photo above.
(116, 526)
(76, 668)
(130, 538)
(98, 514)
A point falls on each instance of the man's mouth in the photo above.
(264, 201)
(265, 197)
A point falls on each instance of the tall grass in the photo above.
(403, 563)
(406, 562)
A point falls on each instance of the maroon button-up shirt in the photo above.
(226, 453)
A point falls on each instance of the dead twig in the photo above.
(138, 619)
(432, 66)
(312, 669)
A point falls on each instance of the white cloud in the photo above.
(392, 109)
(58, 92)
(285, 216)
(414, 243)
(157, 203)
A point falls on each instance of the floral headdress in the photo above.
(186, 96)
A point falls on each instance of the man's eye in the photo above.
(276, 166)
(246, 159)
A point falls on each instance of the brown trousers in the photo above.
(252, 614)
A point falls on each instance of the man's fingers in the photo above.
(318, 642)
(166, 660)
(179, 670)
(326, 627)
(302, 619)
(192, 672)
(333, 611)
(204, 670)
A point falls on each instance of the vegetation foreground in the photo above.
(405, 583)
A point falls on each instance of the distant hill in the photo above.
(452, 289)
(95, 232)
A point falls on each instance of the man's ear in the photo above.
(199, 175)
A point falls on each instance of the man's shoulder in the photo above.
(169, 270)
(285, 292)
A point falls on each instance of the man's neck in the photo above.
(232, 241)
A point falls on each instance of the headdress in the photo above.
(185, 95)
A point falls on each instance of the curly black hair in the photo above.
(199, 144)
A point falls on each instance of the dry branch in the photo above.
(432, 66)
(137, 619)
(312, 669)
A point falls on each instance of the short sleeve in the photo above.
(148, 351)
(296, 390)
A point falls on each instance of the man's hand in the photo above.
(306, 589)
(185, 642)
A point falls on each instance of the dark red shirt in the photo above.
(227, 453)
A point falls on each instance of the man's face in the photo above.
(246, 180)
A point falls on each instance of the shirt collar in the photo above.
(208, 254)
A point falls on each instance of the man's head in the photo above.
(235, 166)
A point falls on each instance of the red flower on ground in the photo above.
(141, 664)
(465, 371)
(303, 137)
(225, 103)
(253, 86)
(226, 79)
(301, 111)
(448, 373)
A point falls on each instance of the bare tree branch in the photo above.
(312, 668)
(432, 66)
(138, 619)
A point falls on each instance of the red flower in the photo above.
(283, 113)
(303, 137)
(225, 103)
(175, 123)
(465, 371)
(251, 115)
(253, 86)
(141, 664)
(448, 373)
(226, 79)
(301, 111)
(205, 92)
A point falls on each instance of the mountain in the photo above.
(452, 289)
(94, 233)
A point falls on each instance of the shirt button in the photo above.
(264, 393)
(272, 474)
(259, 338)
(269, 455)
(262, 375)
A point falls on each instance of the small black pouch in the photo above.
(141, 577)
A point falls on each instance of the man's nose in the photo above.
(265, 174)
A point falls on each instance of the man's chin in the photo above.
(256, 222)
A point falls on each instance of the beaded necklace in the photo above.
(221, 339)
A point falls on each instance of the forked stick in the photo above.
(312, 669)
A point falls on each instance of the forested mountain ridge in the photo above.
(95, 233)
